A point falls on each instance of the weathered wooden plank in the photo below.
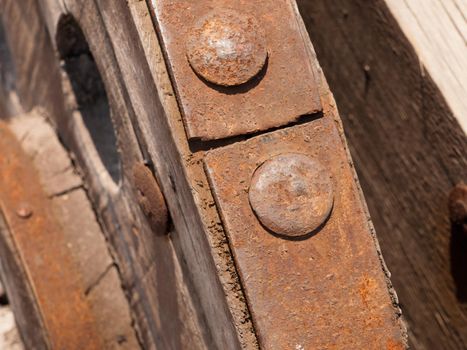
(195, 176)
(409, 151)
(437, 30)
(151, 270)
(153, 280)
(35, 84)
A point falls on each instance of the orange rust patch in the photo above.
(392, 345)
(53, 275)
(366, 288)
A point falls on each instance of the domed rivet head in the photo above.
(24, 211)
(291, 194)
(227, 48)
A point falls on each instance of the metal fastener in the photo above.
(150, 198)
(291, 194)
(458, 206)
(227, 48)
(24, 211)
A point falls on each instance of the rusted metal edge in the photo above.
(53, 275)
(28, 320)
(238, 67)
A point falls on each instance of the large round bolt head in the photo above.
(227, 48)
(291, 194)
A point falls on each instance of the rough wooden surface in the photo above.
(167, 305)
(437, 30)
(409, 151)
(195, 174)
(156, 281)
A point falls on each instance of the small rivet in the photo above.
(150, 198)
(24, 211)
(291, 194)
(227, 48)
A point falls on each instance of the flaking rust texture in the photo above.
(227, 48)
(54, 276)
(326, 290)
(213, 106)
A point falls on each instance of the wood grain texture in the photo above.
(195, 175)
(437, 30)
(150, 269)
(409, 151)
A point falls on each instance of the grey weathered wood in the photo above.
(409, 151)
(194, 173)
(162, 306)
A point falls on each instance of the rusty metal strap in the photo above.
(50, 269)
(300, 237)
(238, 66)
(288, 199)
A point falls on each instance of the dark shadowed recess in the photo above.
(88, 87)
(7, 73)
(7, 69)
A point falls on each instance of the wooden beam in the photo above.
(437, 30)
(401, 107)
